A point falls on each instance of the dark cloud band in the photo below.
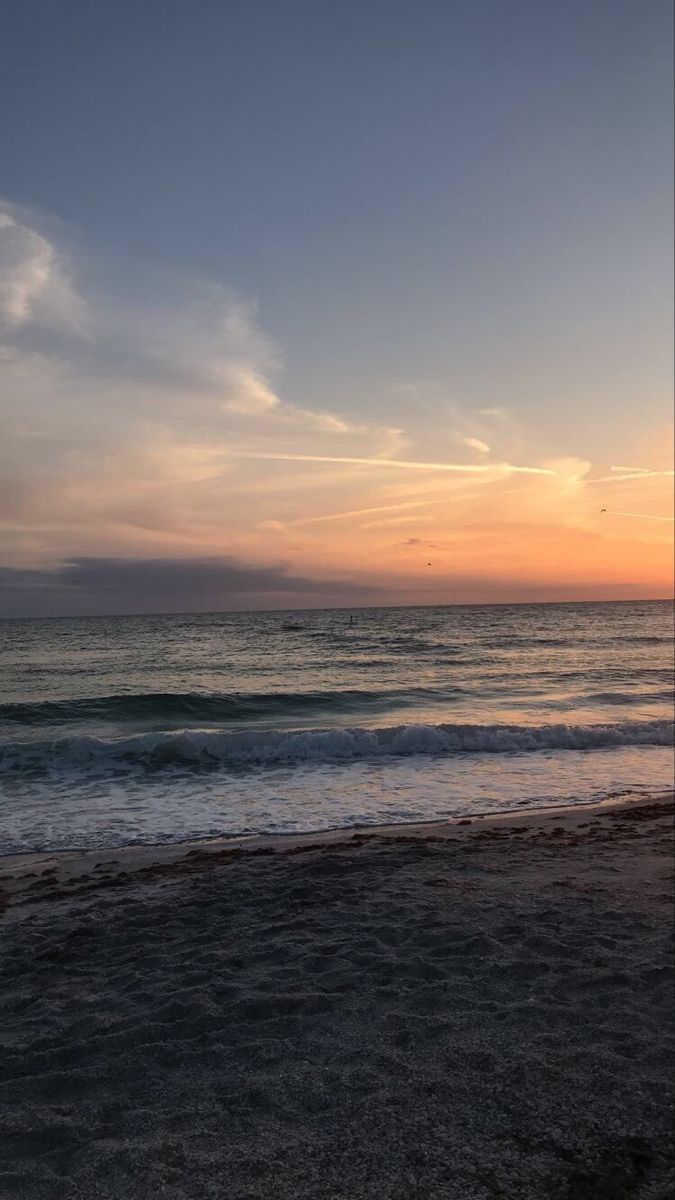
(164, 584)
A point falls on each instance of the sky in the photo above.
(307, 304)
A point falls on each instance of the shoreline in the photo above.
(29, 878)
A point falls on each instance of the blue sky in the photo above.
(429, 209)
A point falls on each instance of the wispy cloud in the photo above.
(639, 473)
(131, 402)
(641, 516)
(498, 468)
(476, 444)
(384, 522)
(143, 414)
(362, 512)
(638, 470)
(253, 395)
(195, 343)
(34, 282)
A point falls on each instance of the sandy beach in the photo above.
(475, 1010)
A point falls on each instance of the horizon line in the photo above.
(334, 608)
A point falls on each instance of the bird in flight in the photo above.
(603, 510)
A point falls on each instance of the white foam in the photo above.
(195, 749)
(110, 809)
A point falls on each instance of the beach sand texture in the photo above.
(482, 1011)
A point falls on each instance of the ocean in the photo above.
(149, 729)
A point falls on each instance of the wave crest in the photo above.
(195, 707)
(239, 750)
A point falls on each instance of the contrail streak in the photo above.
(639, 474)
(361, 512)
(642, 516)
(467, 468)
(641, 470)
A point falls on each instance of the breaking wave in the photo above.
(260, 748)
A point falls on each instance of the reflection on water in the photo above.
(164, 727)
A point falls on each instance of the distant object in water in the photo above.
(291, 626)
(351, 620)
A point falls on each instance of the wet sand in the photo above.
(472, 1010)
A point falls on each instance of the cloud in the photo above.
(634, 470)
(322, 422)
(571, 470)
(143, 413)
(197, 341)
(383, 522)
(131, 400)
(476, 444)
(34, 284)
(636, 473)
(497, 469)
(125, 585)
(252, 394)
(362, 512)
(641, 516)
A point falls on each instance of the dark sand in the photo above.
(472, 1011)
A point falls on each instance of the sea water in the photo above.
(164, 728)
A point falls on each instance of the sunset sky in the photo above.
(309, 304)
